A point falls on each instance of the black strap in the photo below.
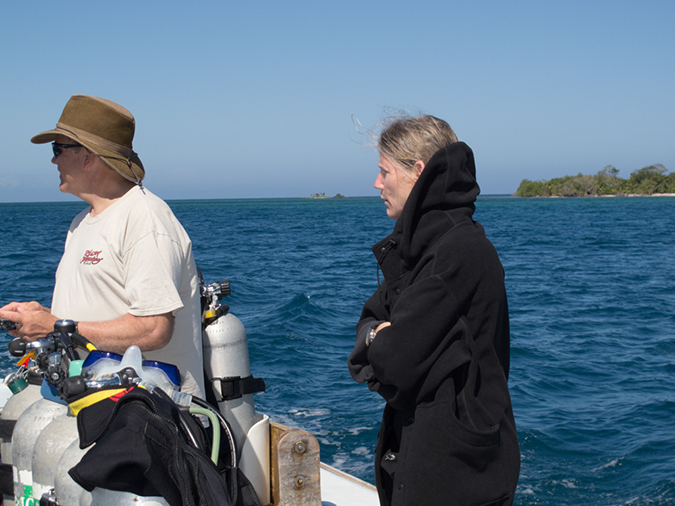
(209, 394)
(6, 479)
(244, 492)
(235, 387)
(7, 429)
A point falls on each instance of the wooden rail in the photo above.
(294, 467)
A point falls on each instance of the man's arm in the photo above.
(146, 332)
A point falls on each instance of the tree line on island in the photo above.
(649, 180)
(323, 196)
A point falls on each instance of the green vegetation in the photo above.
(646, 181)
(323, 196)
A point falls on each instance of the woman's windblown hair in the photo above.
(408, 139)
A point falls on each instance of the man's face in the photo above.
(71, 165)
(395, 184)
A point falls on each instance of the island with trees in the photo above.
(323, 196)
(650, 180)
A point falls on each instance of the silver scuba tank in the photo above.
(28, 427)
(15, 406)
(226, 357)
(11, 411)
(227, 366)
(49, 447)
(66, 491)
(24, 395)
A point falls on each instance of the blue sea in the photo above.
(591, 285)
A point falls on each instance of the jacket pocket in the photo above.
(474, 425)
(440, 419)
(448, 462)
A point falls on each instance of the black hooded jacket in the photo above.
(448, 434)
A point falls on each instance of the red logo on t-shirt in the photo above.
(91, 257)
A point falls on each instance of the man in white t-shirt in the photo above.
(127, 275)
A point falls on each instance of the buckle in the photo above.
(235, 387)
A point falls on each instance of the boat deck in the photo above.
(341, 489)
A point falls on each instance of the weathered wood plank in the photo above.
(294, 467)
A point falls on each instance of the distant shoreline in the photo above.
(653, 180)
(596, 196)
(78, 203)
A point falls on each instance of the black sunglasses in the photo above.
(58, 148)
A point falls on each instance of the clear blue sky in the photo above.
(255, 99)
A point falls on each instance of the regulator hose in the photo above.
(223, 424)
(215, 423)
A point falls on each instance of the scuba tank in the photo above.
(49, 357)
(226, 362)
(48, 449)
(66, 491)
(23, 384)
(227, 367)
(28, 427)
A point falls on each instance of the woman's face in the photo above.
(395, 184)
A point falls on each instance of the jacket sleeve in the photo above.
(374, 312)
(428, 340)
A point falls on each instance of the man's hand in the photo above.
(33, 320)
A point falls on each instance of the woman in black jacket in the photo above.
(433, 340)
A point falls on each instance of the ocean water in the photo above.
(591, 285)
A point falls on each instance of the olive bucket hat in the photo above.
(104, 128)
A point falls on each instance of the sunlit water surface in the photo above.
(592, 304)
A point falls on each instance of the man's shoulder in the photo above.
(79, 218)
(141, 195)
(140, 203)
(149, 212)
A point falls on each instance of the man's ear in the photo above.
(89, 159)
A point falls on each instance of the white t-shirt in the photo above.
(135, 257)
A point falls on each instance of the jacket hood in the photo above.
(443, 196)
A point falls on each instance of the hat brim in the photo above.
(132, 170)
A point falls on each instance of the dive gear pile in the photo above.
(144, 436)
